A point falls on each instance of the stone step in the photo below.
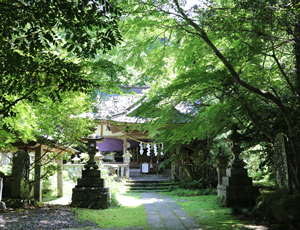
(162, 189)
(160, 185)
(149, 184)
(145, 191)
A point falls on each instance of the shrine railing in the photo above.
(74, 170)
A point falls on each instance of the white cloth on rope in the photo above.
(155, 149)
(148, 149)
(141, 148)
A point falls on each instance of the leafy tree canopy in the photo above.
(240, 58)
(33, 36)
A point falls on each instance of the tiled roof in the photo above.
(117, 107)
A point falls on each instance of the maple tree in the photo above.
(223, 60)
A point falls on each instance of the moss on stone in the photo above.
(283, 208)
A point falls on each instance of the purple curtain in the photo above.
(115, 145)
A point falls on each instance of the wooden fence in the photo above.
(187, 171)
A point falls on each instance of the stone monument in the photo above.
(90, 191)
(2, 204)
(282, 205)
(20, 175)
(283, 183)
(236, 187)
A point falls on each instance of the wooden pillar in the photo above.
(124, 152)
(38, 174)
(60, 188)
(125, 144)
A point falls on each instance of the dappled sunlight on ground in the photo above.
(133, 202)
(256, 227)
(129, 201)
(65, 200)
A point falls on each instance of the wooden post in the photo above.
(124, 152)
(125, 143)
(118, 171)
(38, 174)
(60, 188)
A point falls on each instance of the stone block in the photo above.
(242, 172)
(239, 195)
(90, 182)
(237, 181)
(91, 173)
(91, 197)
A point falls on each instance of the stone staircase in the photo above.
(148, 186)
(139, 182)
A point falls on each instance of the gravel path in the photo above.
(45, 217)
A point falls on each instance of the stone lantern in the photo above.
(92, 149)
(90, 191)
(236, 187)
(98, 157)
(221, 166)
(235, 140)
(126, 160)
(76, 159)
(126, 157)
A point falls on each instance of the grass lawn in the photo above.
(204, 208)
(211, 215)
(130, 214)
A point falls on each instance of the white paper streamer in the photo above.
(141, 148)
(162, 148)
(155, 149)
(148, 149)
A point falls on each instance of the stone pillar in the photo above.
(221, 166)
(38, 174)
(60, 191)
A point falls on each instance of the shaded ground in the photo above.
(42, 217)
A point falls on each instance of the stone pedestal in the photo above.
(237, 189)
(90, 191)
